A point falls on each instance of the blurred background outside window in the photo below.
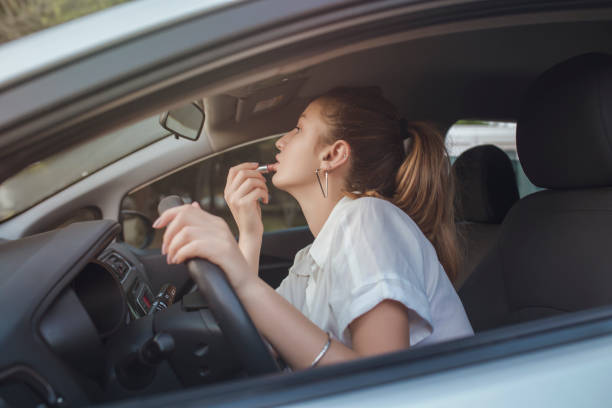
(204, 182)
(23, 17)
(465, 134)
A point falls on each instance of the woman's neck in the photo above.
(316, 208)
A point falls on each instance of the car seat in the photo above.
(553, 252)
(486, 190)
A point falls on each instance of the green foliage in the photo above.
(22, 17)
(471, 122)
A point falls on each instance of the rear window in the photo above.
(465, 134)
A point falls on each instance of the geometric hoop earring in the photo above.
(326, 191)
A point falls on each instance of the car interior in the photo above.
(486, 190)
(108, 321)
(549, 257)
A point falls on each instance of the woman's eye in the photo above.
(297, 129)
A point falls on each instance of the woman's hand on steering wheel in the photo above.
(194, 233)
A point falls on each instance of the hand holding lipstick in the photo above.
(244, 190)
(245, 186)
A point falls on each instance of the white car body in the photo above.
(563, 362)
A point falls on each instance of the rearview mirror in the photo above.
(185, 121)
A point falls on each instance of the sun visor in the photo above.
(268, 98)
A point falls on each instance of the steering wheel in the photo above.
(227, 309)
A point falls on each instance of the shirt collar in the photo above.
(322, 243)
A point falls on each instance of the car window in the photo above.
(19, 18)
(204, 182)
(465, 134)
(46, 177)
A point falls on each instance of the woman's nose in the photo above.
(280, 143)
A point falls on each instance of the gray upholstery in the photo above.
(564, 133)
(486, 185)
(553, 253)
(476, 240)
(486, 189)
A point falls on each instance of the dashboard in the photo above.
(87, 320)
(131, 276)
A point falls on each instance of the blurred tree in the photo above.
(22, 17)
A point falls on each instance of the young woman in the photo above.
(377, 277)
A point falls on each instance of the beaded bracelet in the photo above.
(323, 351)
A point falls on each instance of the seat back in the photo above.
(486, 189)
(553, 252)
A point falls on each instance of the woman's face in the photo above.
(300, 152)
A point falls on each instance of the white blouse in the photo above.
(370, 250)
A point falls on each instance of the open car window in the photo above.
(204, 182)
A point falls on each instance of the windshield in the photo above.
(19, 18)
(46, 177)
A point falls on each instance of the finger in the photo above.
(196, 204)
(183, 216)
(167, 216)
(242, 176)
(188, 216)
(182, 238)
(255, 194)
(248, 186)
(233, 171)
(194, 249)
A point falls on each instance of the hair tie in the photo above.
(405, 137)
(403, 126)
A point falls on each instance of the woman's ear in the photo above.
(335, 155)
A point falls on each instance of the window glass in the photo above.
(466, 134)
(19, 18)
(48, 176)
(204, 182)
(80, 215)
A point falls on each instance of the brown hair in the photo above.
(420, 182)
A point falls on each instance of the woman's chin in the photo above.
(275, 181)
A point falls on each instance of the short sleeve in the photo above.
(377, 254)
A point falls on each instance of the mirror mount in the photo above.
(186, 121)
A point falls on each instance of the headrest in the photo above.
(486, 185)
(564, 129)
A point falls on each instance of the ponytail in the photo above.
(419, 181)
(425, 191)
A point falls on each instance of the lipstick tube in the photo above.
(264, 169)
